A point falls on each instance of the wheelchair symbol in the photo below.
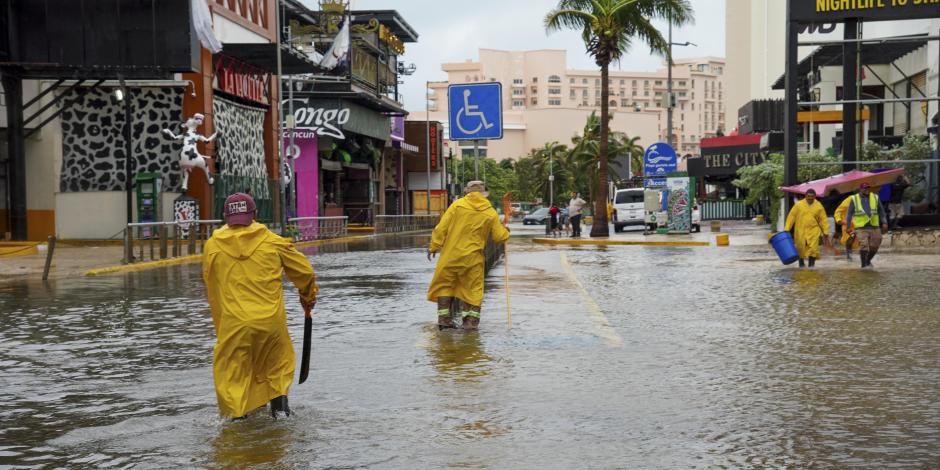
(470, 110)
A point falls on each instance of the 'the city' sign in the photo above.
(821, 11)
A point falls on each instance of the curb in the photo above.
(12, 249)
(193, 259)
(609, 242)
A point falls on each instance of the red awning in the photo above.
(731, 141)
(846, 182)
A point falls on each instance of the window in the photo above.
(571, 81)
(659, 83)
(517, 81)
(572, 95)
(535, 79)
(646, 83)
(624, 103)
(597, 93)
(682, 106)
(597, 102)
(693, 83)
(518, 103)
(646, 93)
(467, 78)
(554, 79)
(613, 103)
(659, 94)
(622, 82)
(682, 83)
(646, 105)
(554, 102)
(476, 78)
(597, 82)
(634, 84)
(584, 103)
(554, 91)
(693, 106)
(584, 93)
(534, 101)
(682, 94)
(634, 92)
(534, 89)
(518, 92)
(584, 81)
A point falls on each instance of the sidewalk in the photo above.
(68, 260)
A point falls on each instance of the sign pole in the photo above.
(476, 160)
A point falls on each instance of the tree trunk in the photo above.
(600, 227)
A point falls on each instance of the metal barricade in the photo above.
(318, 228)
(148, 241)
(405, 223)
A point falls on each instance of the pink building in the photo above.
(544, 101)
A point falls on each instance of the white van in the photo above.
(628, 208)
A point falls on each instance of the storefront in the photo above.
(721, 158)
(419, 178)
(350, 139)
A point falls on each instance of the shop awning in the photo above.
(872, 54)
(829, 117)
(846, 182)
(264, 56)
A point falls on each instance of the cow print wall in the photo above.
(239, 148)
(93, 138)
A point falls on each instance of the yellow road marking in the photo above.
(606, 242)
(607, 332)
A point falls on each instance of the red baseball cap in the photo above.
(864, 185)
(239, 209)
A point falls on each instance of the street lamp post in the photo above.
(427, 141)
(670, 101)
(551, 178)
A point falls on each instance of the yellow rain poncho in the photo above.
(810, 223)
(460, 237)
(253, 360)
(839, 216)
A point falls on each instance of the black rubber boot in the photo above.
(871, 254)
(848, 252)
(812, 261)
(802, 263)
(279, 404)
(864, 256)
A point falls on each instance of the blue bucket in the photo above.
(785, 248)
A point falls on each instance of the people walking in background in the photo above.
(253, 360)
(868, 222)
(554, 220)
(460, 237)
(842, 225)
(808, 221)
(565, 221)
(575, 206)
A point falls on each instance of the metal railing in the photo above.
(405, 223)
(145, 241)
(319, 228)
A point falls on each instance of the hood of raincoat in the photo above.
(241, 241)
(476, 201)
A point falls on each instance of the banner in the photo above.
(679, 205)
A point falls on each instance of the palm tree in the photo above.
(609, 28)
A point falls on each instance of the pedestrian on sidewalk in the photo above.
(253, 360)
(460, 237)
(808, 221)
(554, 220)
(842, 224)
(575, 206)
(868, 222)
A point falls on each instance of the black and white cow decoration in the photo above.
(190, 157)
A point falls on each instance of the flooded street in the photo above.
(621, 357)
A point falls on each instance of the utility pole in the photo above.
(669, 88)
(427, 141)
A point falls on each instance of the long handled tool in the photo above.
(305, 356)
(506, 264)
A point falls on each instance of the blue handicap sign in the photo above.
(475, 111)
(659, 160)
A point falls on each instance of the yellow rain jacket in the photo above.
(810, 223)
(839, 216)
(253, 360)
(460, 237)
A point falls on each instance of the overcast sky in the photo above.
(453, 30)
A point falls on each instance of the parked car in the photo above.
(628, 208)
(536, 218)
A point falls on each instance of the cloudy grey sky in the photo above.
(453, 30)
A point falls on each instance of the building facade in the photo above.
(544, 101)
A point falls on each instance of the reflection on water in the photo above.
(728, 360)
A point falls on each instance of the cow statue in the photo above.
(190, 157)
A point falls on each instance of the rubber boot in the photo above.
(864, 256)
(848, 252)
(444, 319)
(802, 263)
(279, 405)
(471, 323)
(871, 254)
(812, 261)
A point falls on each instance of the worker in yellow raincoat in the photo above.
(808, 220)
(460, 237)
(253, 361)
(848, 241)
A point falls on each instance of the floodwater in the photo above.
(628, 357)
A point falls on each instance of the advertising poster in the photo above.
(679, 205)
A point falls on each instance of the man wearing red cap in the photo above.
(253, 360)
(868, 222)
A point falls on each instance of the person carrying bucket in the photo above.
(253, 359)
(868, 222)
(842, 221)
(460, 237)
(808, 221)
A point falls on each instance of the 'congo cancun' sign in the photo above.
(336, 118)
(866, 10)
